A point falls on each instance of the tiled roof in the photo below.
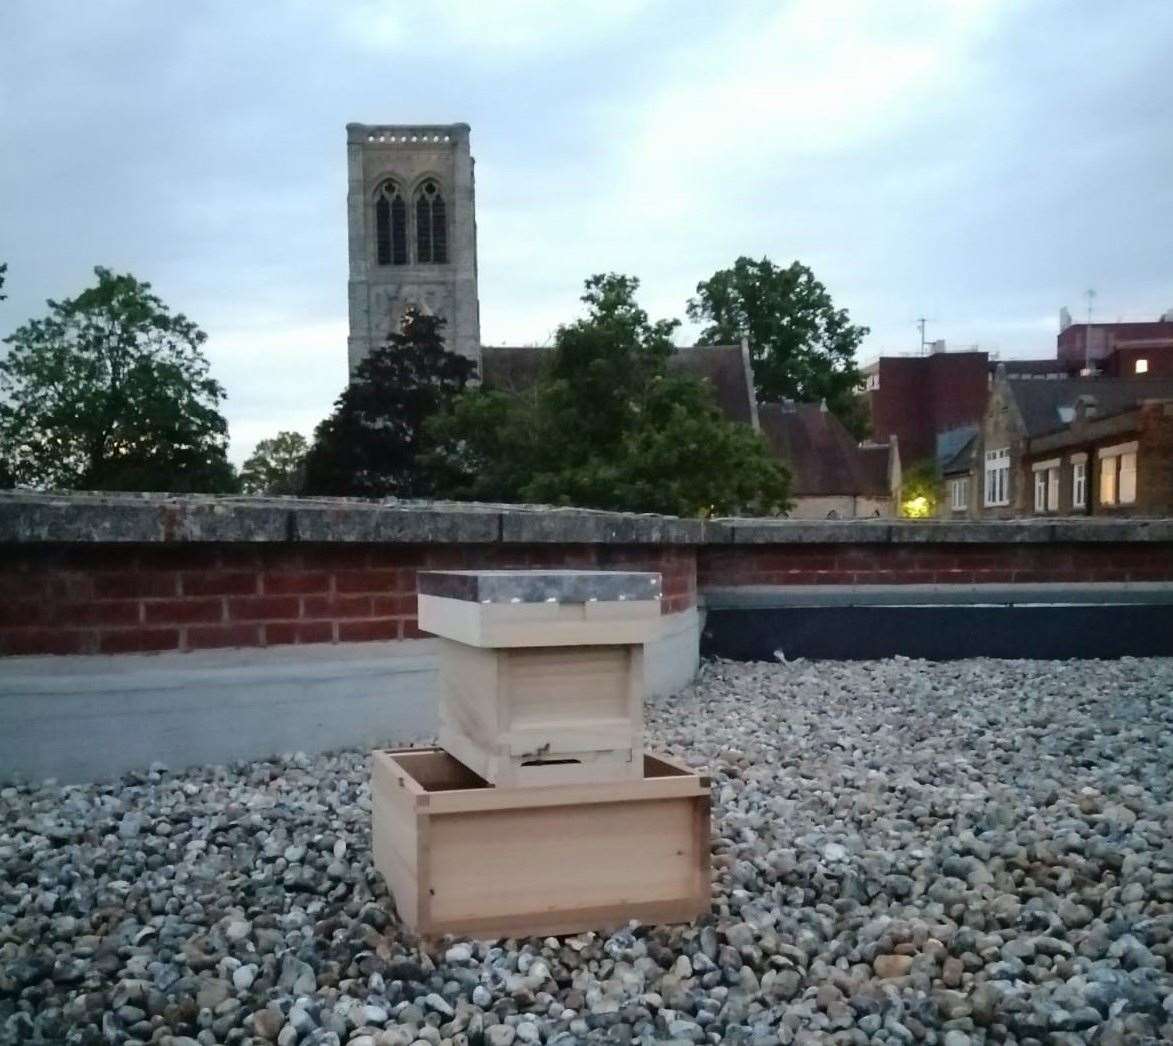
(1047, 406)
(822, 456)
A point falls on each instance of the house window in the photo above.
(1046, 485)
(997, 478)
(1118, 474)
(390, 226)
(431, 225)
(959, 491)
(1079, 484)
(1142, 367)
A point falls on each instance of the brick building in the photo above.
(831, 475)
(1117, 350)
(917, 397)
(1086, 446)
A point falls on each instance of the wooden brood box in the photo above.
(541, 672)
(463, 857)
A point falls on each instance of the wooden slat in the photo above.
(537, 858)
(539, 624)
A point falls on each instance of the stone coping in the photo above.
(96, 518)
(539, 586)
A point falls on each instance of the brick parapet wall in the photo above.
(78, 599)
(937, 564)
(114, 574)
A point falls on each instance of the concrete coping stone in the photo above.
(540, 586)
(29, 517)
(937, 532)
(1108, 593)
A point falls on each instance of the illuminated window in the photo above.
(1118, 474)
(390, 226)
(1142, 367)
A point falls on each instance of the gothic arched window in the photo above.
(391, 225)
(431, 225)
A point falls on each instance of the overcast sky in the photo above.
(978, 163)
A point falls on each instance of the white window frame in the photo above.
(1040, 490)
(1046, 485)
(1079, 481)
(996, 489)
(959, 490)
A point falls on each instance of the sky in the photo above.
(980, 164)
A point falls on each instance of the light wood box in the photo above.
(544, 715)
(462, 857)
(501, 625)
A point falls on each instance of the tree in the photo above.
(3, 275)
(920, 490)
(801, 346)
(370, 444)
(275, 465)
(111, 391)
(607, 427)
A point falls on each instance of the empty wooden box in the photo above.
(541, 672)
(463, 857)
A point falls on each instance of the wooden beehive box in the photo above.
(463, 857)
(541, 672)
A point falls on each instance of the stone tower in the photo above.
(413, 239)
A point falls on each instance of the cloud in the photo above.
(977, 163)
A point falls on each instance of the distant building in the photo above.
(1117, 350)
(831, 476)
(917, 397)
(1086, 446)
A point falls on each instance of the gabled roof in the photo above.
(820, 453)
(1047, 406)
(955, 450)
(515, 368)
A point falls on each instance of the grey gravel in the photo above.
(968, 852)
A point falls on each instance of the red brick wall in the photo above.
(933, 564)
(920, 396)
(115, 599)
(76, 599)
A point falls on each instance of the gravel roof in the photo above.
(964, 852)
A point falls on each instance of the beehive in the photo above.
(462, 857)
(542, 672)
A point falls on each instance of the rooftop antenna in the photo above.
(1087, 334)
(920, 322)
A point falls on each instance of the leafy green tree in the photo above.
(3, 275)
(111, 391)
(607, 427)
(370, 445)
(801, 346)
(275, 465)
(920, 490)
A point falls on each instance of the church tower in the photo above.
(412, 230)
